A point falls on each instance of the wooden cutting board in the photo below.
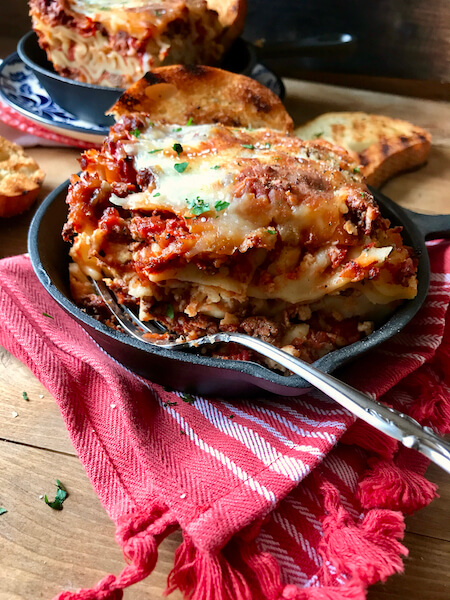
(43, 551)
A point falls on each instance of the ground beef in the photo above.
(261, 327)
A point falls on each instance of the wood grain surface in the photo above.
(42, 551)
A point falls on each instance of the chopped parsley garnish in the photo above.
(267, 145)
(231, 416)
(44, 314)
(271, 231)
(221, 205)
(156, 195)
(188, 398)
(249, 146)
(180, 167)
(170, 312)
(215, 167)
(356, 170)
(2, 510)
(178, 148)
(190, 121)
(25, 396)
(176, 129)
(168, 403)
(61, 495)
(155, 150)
(318, 135)
(362, 194)
(136, 133)
(197, 206)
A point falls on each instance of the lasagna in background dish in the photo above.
(214, 228)
(112, 43)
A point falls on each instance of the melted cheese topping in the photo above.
(210, 191)
(133, 16)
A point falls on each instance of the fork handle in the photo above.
(392, 422)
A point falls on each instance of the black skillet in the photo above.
(192, 372)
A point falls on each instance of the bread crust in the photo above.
(20, 179)
(385, 146)
(177, 93)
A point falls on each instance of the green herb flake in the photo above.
(25, 396)
(267, 145)
(188, 398)
(155, 150)
(159, 13)
(221, 205)
(168, 403)
(271, 231)
(231, 416)
(182, 432)
(190, 122)
(136, 133)
(178, 148)
(61, 495)
(180, 167)
(215, 167)
(176, 129)
(170, 312)
(156, 195)
(362, 194)
(318, 135)
(44, 314)
(248, 146)
(2, 510)
(356, 170)
(197, 206)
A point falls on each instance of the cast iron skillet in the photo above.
(192, 372)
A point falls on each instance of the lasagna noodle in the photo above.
(229, 224)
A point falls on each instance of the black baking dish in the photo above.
(187, 371)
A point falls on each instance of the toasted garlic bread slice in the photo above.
(20, 179)
(199, 94)
(385, 146)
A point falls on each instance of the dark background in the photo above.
(396, 38)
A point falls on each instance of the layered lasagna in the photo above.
(112, 43)
(212, 228)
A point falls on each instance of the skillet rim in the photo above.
(251, 373)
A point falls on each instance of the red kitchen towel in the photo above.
(14, 119)
(271, 506)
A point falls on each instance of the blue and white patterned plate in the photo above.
(20, 89)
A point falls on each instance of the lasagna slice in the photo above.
(113, 43)
(209, 228)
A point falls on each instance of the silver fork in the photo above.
(394, 423)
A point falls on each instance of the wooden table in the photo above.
(44, 551)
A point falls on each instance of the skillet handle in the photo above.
(432, 227)
(324, 44)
